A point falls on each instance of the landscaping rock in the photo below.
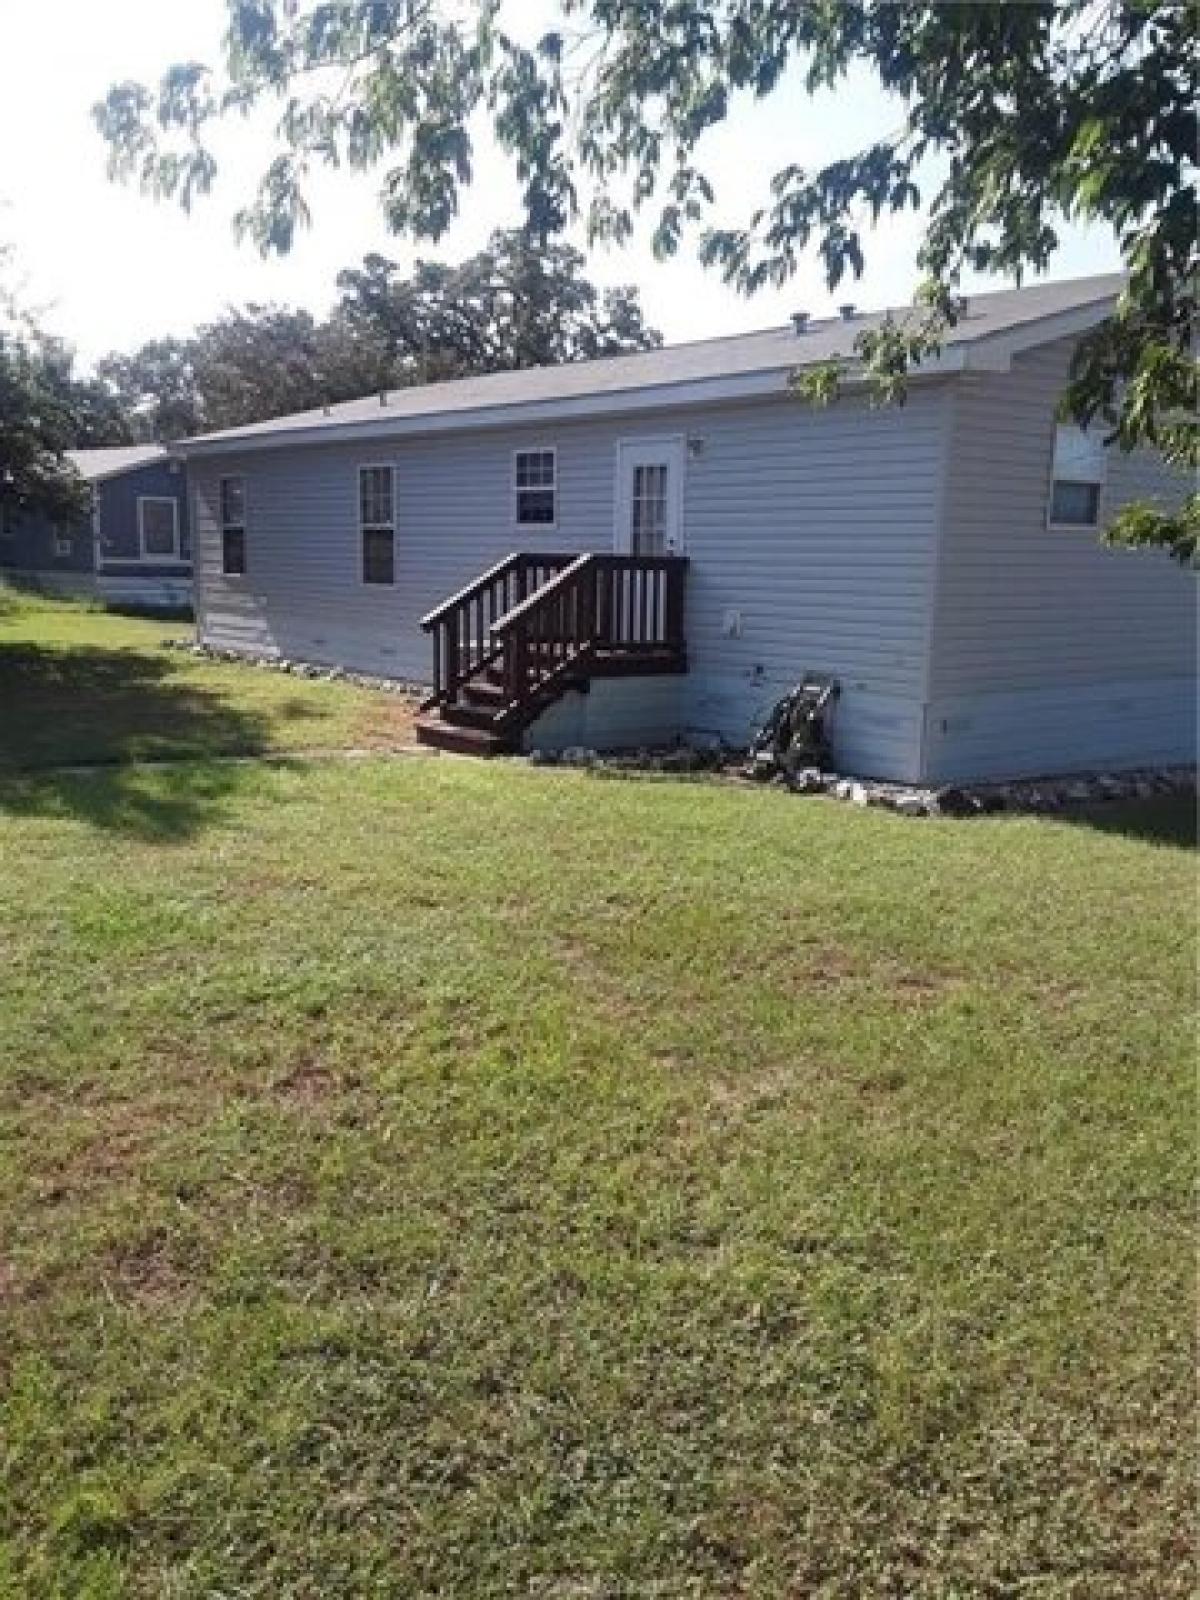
(684, 759)
(953, 802)
(914, 804)
(808, 780)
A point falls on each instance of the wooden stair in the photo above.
(536, 627)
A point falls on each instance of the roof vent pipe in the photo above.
(799, 321)
(847, 312)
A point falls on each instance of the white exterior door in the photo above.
(650, 497)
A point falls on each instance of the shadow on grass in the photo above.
(1166, 820)
(148, 731)
(146, 611)
(62, 707)
(155, 804)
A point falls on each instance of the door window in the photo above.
(650, 510)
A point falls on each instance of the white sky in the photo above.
(109, 268)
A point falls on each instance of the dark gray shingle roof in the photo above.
(736, 355)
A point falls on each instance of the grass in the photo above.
(81, 684)
(427, 1178)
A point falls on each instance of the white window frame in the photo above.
(62, 545)
(1095, 477)
(224, 527)
(374, 527)
(144, 500)
(517, 491)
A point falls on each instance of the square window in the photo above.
(1077, 478)
(1075, 505)
(535, 487)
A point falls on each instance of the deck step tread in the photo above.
(436, 732)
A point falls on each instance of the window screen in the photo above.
(377, 523)
(534, 481)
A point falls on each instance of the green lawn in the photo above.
(81, 684)
(420, 1177)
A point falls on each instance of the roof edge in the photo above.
(991, 352)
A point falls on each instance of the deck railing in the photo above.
(536, 618)
(626, 608)
(462, 625)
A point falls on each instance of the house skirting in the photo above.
(133, 590)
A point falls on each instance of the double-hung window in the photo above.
(1078, 478)
(377, 523)
(158, 527)
(535, 485)
(233, 527)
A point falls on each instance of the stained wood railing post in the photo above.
(674, 606)
(544, 618)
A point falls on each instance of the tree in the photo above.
(1015, 117)
(248, 365)
(45, 410)
(156, 386)
(515, 304)
(267, 361)
(509, 306)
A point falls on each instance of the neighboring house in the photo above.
(941, 558)
(134, 549)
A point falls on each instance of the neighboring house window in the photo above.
(158, 526)
(377, 523)
(534, 481)
(233, 527)
(1079, 469)
(62, 545)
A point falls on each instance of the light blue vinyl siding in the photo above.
(902, 549)
(816, 527)
(1050, 652)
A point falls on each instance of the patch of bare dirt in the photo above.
(144, 1272)
(307, 1084)
(388, 724)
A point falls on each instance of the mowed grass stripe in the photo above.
(439, 1179)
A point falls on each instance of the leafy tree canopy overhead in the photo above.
(1015, 117)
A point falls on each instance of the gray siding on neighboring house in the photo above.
(27, 547)
(116, 524)
(811, 536)
(1049, 652)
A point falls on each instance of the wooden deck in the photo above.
(537, 625)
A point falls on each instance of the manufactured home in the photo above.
(133, 549)
(657, 546)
